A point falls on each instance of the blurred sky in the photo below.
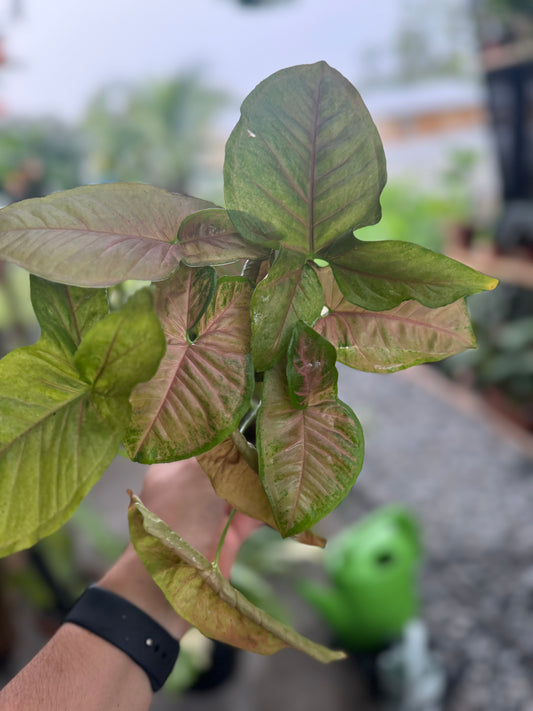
(64, 50)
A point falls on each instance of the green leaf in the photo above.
(305, 164)
(123, 349)
(97, 235)
(66, 313)
(387, 341)
(380, 275)
(311, 373)
(308, 458)
(55, 442)
(58, 431)
(202, 388)
(290, 293)
(200, 594)
(209, 237)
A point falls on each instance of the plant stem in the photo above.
(251, 270)
(223, 536)
(250, 415)
(245, 450)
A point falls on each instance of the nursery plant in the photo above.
(239, 371)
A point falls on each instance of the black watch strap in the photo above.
(130, 629)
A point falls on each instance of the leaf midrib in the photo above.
(390, 278)
(74, 312)
(124, 235)
(312, 168)
(383, 316)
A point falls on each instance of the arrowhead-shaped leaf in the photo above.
(387, 341)
(60, 429)
(202, 388)
(290, 293)
(305, 164)
(380, 275)
(97, 235)
(209, 237)
(200, 594)
(308, 458)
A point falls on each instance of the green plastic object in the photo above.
(372, 569)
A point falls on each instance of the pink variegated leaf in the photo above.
(209, 237)
(205, 380)
(311, 373)
(309, 457)
(305, 165)
(97, 235)
(388, 341)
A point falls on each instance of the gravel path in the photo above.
(473, 493)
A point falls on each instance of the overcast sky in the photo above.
(64, 50)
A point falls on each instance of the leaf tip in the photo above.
(311, 539)
(492, 283)
(134, 500)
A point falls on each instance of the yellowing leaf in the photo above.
(200, 594)
(63, 415)
(236, 482)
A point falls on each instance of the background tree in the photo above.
(156, 133)
(38, 156)
(431, 40)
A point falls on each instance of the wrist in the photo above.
(126, 627)
(129, 578)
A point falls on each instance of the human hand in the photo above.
(182, 496)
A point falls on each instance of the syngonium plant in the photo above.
(188, 364)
